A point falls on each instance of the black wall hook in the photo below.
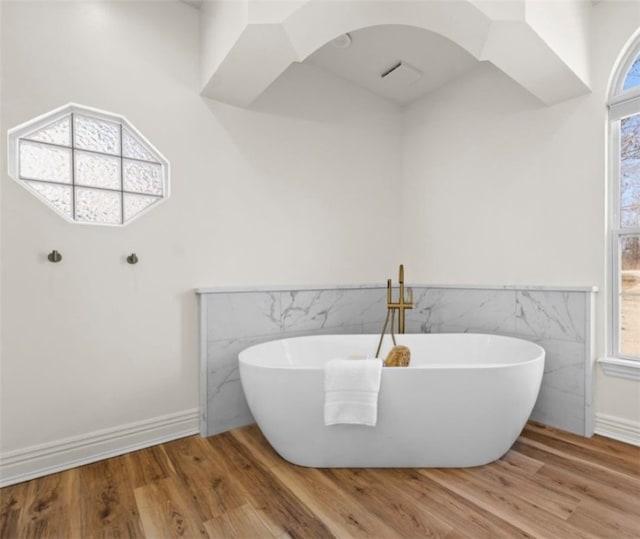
(132, 258)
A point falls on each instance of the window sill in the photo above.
(620, 368)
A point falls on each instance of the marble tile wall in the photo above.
(558, 320)
(236, 320)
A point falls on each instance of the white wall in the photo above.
(499, 186)
(303, 189)
(500, 189)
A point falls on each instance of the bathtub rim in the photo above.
(245, 360)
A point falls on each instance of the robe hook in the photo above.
(54, 256)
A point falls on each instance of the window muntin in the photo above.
(89, 166)
(624, 136)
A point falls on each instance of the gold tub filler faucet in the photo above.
(401, 306)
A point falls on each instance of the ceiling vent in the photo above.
(402, 73)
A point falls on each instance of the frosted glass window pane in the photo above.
(630, 172)
(96, 135)
(58, 195)
(97, 170)
(89, 166)
(134, 204)
(43, 162)
(95, 206)
(132, 147)
(56, 133)
(633, 76)
(143, 177)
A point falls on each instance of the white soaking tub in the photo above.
(463, 401)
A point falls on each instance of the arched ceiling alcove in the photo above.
(428, 61)
(248, 44)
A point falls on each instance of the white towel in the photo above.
(351, 389)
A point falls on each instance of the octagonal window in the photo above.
(89, 166)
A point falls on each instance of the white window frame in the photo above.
(20, 132)
(622, 104)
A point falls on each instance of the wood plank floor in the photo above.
(551, 484)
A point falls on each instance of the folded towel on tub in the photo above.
(351, 389)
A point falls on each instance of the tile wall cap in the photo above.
(375, 286)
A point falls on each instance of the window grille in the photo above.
(89, 166)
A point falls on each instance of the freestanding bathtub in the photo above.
(463, 401)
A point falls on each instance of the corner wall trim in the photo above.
(618, 428)
(39, 460)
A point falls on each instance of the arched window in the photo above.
(624, 159)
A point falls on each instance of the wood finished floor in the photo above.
(551, 484)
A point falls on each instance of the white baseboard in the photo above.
(618, 428)
(36, 461)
